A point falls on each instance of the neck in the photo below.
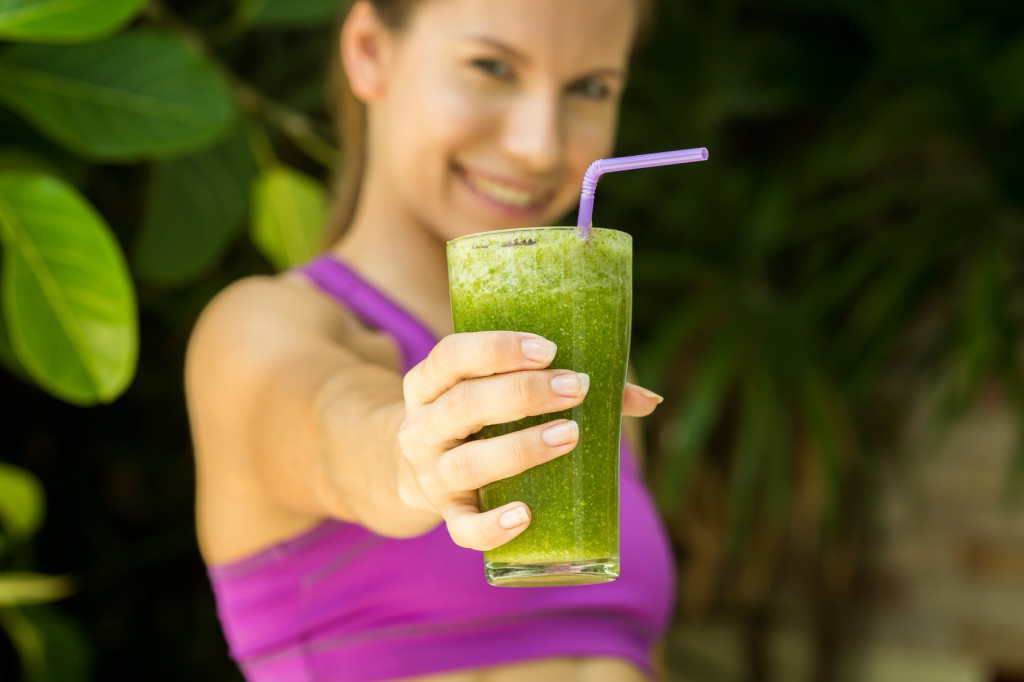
(398, 255)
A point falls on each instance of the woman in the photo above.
(332, 406)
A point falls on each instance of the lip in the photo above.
(545, 192)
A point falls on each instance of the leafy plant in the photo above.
(150, 93)
(123, 83)
(853, 244)
(52, 647)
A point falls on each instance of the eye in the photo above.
(495, 68)
(591, 88)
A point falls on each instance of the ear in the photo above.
(365, 43)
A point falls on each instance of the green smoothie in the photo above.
(577, 293)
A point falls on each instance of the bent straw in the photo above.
(601, 166)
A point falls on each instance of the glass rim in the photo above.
(548, 228)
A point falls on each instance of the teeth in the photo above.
(513, 196)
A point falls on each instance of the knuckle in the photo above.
(518, 455)
(524, 388)
(495, 346)
(461, 469)
(409, 381)
(408, 495)
(408, 436)
(447, 347)
(458, 406)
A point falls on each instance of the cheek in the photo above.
(452, 117)
(587, 141)
(591, 137)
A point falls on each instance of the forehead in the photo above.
(572, 34)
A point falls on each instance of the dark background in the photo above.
(885, 136)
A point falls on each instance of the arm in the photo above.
(279, 396)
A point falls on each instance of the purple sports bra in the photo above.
(339, 603)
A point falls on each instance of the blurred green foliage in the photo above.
(854, 243)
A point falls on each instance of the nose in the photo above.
(533, 135)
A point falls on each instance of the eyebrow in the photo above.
(519, 56)
(497, 44)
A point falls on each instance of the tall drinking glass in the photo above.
(576, 291)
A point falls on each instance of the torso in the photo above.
(548, 670)
(256, 522)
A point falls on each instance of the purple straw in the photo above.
(601, 166)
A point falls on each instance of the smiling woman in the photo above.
(350, 110)
(330, 406)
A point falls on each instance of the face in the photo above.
(490, 111)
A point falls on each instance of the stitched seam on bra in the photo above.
(470, 625)
(240, 568)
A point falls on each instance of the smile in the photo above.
(505, 194)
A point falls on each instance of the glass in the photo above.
(577, 292)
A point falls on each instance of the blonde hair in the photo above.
(350, 114)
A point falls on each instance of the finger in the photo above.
(477, 463)
(472, 529)
(475, 354)
(638, 401)
(503, 398)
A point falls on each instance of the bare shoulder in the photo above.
(258, 355)
(260, 311)
(255, 338)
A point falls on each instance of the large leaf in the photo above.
(52, 647)
(22, 502)
(137, 95)
(697, 417)
(63, 21)
(288, 217)
(67, 297)
(289, 12)
(30, 588)
(194, 211)
(7, 357)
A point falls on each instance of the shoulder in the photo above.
(258, 332)
(258, 318)
(258, 308)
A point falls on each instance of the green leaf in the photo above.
(698, 415)
(824, 413)
(52, 647)
(194, 211)
(64, 21)
(673, 336)
(290, 12)
(67, 297)
(137, 95)
(22, 502)
(289, 214)
(18, 589)
(7, 357)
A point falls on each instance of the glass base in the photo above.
(587, 572)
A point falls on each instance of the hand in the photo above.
(469, 381)
(638, 401)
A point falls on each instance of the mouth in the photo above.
(513, 198)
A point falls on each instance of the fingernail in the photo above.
(563, 434)
(569, 385)
(648, 394)
(513, 518)
(539, 350)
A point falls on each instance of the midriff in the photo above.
(547, 670)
